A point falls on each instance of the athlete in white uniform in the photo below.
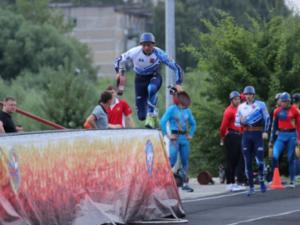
(254, 119)
(146, 60)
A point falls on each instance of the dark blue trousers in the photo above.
(252, 145)
(146, 88)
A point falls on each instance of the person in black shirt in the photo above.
(7, 125)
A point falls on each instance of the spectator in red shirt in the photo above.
(119, 112)
(231, 137)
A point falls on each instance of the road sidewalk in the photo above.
(215, 189)
(203, 190)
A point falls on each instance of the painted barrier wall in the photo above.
(86, 177)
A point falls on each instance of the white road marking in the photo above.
(214, 197)
(264, 217)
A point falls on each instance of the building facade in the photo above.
(107, 30)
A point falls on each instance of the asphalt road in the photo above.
(275, 207)
(279, 207)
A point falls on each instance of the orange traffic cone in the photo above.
(276, 181)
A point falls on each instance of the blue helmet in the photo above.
(249, 90)
(147, 37)
(296, 97)
(285, 97)
(234, 94)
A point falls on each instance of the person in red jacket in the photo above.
(286, 121)
(231, 137)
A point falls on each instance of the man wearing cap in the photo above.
(231, 136)
(254, 119)
(146, 60)
(183, 127)
(286, 121)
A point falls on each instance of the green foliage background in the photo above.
(223, 46)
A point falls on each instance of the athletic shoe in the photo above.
(237, 187)
(291, 185)
(263, 187)
(229, 187)
(150, 122)
(251, 191)
(187, 188)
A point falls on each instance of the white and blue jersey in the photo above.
(144, 65)
(253, 115)
(179, 119)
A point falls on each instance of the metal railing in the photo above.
(38, 119)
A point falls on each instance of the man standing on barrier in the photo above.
(146, 60)
(231, 137)
(182, 126)
(254, 118)
(286, 121)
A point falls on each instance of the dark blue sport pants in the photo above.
(252, 145)
(146, 88)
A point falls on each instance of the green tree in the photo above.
(265, 55)
(42, 66)
(189, 13)
(25, 46)
(69, 101)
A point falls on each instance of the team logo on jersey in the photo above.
(149, 156)
(141, 60)
(152, 60)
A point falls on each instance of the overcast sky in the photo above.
(293, 3)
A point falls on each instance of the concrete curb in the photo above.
(202, 190)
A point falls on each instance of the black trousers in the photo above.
(234, 158)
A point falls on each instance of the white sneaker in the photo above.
(291, 185)
(237, 187)
(229, 187)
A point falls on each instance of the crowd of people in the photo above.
(243, 130)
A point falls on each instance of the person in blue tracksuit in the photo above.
(286, 121)
(254, 119)
(182, 127)
(146, 60)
